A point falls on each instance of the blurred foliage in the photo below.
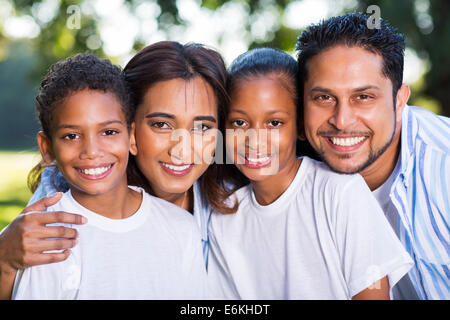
(14, 194)
(56, 41)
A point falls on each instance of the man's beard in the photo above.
(373, 156)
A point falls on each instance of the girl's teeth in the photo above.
(176, 168)
(346, 141)
(95, 171)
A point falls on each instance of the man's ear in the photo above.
(45, 147)
(402, 98)
(133, 146)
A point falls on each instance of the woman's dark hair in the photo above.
(258, 62)
(167, 60)
(66, 77)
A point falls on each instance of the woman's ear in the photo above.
(45, 147)
(133, 146)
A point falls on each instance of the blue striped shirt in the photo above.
(421, 194)
(53, 181)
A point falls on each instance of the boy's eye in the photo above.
(70, 136)
(110, 132)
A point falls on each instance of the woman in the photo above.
(174, 87)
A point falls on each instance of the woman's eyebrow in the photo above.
(206, 118)
(160, 114)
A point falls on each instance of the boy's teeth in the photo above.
(176, 168)
(95, 171)
(346, 141)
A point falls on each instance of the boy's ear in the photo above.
(133, 146)
(45, 147)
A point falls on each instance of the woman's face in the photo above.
(175, 134)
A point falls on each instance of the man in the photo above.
(357, 120)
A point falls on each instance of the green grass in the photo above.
(14, 193)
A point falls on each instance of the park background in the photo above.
(35, 34)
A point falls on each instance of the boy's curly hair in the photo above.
(82, 71)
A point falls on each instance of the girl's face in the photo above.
(266, 114)
(90, 142)
(175, 134)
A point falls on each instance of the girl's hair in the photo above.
(258, 62)
(66, 77)
(167, 60)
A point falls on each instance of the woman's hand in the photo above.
(24, 240)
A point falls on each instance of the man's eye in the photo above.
(323, 97)
(363, 96)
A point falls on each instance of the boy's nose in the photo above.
(91, 149)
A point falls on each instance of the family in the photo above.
(343, 194)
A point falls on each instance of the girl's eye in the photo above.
(110, 132)
(275, 123)
(70, 136)
(160, 125)
(238, 123)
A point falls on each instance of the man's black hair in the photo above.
(353, 30)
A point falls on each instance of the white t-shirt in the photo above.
(154, 254)
(325, 237)
(404, 290)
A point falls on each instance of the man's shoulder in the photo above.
(431, 129)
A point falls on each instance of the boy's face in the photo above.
(89, 141)
(263, 135)
(175, 134)
(349, 109)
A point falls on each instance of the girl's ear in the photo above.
(45, 147)
(133, 146)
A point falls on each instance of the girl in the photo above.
(301, 231)
(174, 87)
(127, 249)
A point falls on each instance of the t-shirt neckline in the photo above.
(108, 224)
(286, 196)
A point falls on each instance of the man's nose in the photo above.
(343, 116)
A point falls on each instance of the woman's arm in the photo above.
(24, 240)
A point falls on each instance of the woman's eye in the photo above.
(160, 125)
(201, 127)
(70, 136)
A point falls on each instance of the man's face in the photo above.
(349, 109)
